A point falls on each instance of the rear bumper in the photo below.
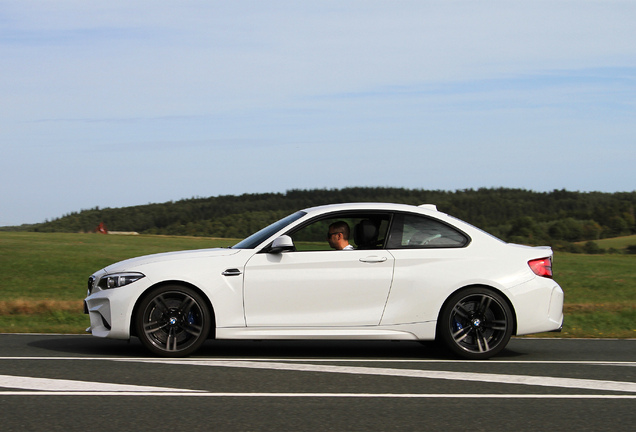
(539, 306)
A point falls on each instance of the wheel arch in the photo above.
(483, 286)
(212, 334)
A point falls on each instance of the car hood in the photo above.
(133, 263)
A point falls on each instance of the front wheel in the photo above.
(173, 321)
(475, 323)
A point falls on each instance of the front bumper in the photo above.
(110, 310)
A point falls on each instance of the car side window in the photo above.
(366, 231)
(416, 232)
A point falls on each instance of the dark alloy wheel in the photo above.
(173, 321)
(476, 323)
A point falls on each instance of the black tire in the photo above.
(476, 323)
(173, 321)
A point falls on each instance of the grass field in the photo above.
(618, 243)
(43, 281)
(600, 294)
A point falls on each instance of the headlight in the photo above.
(118, 280)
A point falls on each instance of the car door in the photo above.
(317, 288)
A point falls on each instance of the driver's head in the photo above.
(338, 235)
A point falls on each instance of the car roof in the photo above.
(423, 209)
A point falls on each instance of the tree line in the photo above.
(559, 217)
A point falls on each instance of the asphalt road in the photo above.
(65, 382)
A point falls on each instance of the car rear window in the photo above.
(410, 231)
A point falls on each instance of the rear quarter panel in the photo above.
(425, 278)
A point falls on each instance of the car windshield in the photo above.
(257, 238)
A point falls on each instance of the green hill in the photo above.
(559, 217)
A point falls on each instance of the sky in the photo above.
(118, 103)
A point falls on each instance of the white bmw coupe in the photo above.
(408, 273)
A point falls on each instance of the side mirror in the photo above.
(281, 244)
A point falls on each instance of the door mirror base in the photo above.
(282, 244)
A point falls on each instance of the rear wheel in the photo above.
(476, 323)
(173, 321)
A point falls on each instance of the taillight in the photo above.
(541, 267)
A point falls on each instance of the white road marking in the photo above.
(348, 360)
(46, 387)
(342, 360)
(62, 385)
(543, 381)
(322, 395)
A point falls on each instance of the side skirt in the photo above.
(419, 331)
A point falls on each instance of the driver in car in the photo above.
(338, 236)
